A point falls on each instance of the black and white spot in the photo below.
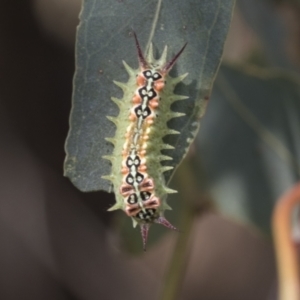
(156, 76)
(148, 74)
(145, 195)
(148, 215)
(142, 92)
(136, 161)
(129, 179)
(151, 94)
(142, 112)
(132, 199)
(139, 177)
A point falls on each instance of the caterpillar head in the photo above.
(163, 68)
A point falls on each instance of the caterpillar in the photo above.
(137, 173)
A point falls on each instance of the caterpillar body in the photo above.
(137, 173)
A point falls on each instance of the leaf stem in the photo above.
(187, 185)
(286, 253)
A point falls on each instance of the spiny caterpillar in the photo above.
(137, 174)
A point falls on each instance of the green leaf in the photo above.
(249, 142)
(104, 39)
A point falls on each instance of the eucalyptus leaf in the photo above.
(264, 19)
(249, 141)
(104, 39)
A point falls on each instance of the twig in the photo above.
(187, 186)
(286, 254)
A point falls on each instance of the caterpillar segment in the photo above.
(137, 174)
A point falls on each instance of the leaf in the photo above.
(265, 20)
(104, 39)
(249, 142)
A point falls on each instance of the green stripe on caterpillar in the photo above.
(137, 173)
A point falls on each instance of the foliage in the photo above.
(104, 40)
